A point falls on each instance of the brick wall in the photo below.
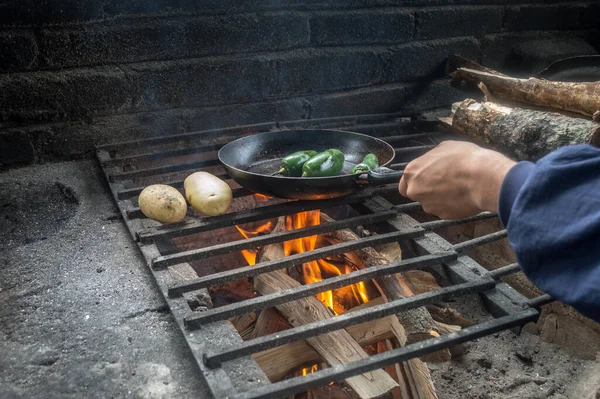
(91, 71)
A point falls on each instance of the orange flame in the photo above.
(250, 254)
(314, 271)
(310, 370)
(261, 198)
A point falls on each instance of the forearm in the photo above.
(552, 213)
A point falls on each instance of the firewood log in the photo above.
(336, 347)
(522, 134)
(417, 322)
(582, 98)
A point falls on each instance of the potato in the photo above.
(162, 203)
(207, 193)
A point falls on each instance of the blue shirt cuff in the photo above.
(513, 181)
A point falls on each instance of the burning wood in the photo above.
(417, 322)
(336, 347)
(520, 133)
(412, 376)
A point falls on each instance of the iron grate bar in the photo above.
(303, 291)
(163, 154)
(290, 261)
(385, 359)
(505, 271)
(344, 320)
(253, 215)
(134, 192)
(437, 224)
(231, 131)
(255, 242)
(163, 170)
(136, 212)
(411, 136)
(410, 150)
(486, 239)
(540, 301)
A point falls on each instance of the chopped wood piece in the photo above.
(417, 322)
(520, 133)
(269, 321)
(243, 322)
(336, 347)
(280, 361)
(449, 316)
(582, 98)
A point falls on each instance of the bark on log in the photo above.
(520, 133)
(582, 98)
(336, 347)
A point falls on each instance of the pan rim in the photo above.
(389, 161)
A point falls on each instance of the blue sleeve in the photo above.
(551, 210)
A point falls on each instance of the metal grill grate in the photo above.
(223, 357)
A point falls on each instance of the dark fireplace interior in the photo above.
(100, 98)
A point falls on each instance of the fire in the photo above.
(337, 300)
(310, 370)
(250, 255)
(321, 269)
(261, 198)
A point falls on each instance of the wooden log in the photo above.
(336, 347)
(417, 322)
(280, 361)
(269, 321)
(581, 98)
(243, 323)
(415, 381)
(448, 315)
(520, 133)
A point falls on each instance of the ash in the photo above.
(507, 366)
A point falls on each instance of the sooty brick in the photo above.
(18, 51)
(317, 71)
(543, 17)
(245, 33)
(51, 11)
(115, 42)
(343, 28)
(426, 60)
(15, 148)
(447, 22)
(47, 95)
(202, 82)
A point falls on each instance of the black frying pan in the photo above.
(251, 160)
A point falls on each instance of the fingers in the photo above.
(403, 186)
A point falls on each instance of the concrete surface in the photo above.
(80, 316)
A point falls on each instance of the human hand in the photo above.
(456, 180)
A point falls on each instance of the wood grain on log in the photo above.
(417, 322)
(582, 98)
(336, 347)
(520, 133)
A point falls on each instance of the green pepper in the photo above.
(292, 164)
(327, 163)
(368, 163)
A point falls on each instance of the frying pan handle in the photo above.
(384, 175)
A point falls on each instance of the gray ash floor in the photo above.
(80, 316)
(507, 366)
